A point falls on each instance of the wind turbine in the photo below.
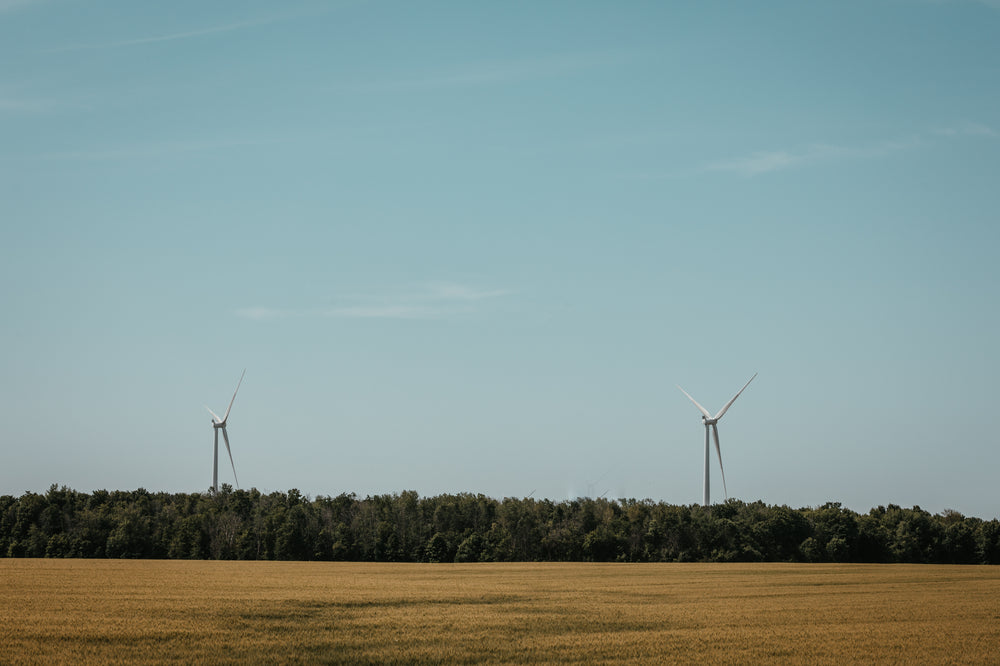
(220, 424)
(711, 421)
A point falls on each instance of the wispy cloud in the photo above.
(12, 104)
(428, 301)
(152, 39)
(764, 162)
(994, 4)
(400, 311)
(449, 291)
(768, 161)
(969, 129)
(10, 5)
(186, 34)
(21, 99)
(261, 313)
(504, 71)
(150, 150)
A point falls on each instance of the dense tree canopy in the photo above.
(249, 525)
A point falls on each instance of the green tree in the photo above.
(470, 550)
(602, 544)
(437, 549)
(130, 536)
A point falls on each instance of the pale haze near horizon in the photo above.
(474, 247)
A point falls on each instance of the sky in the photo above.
(475, 247)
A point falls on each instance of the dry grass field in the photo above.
(107, 611)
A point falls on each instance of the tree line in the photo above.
(465, 527)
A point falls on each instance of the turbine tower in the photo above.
(220, 424)
(711, 422)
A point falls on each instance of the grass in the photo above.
(116, 611)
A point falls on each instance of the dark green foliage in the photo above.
(470, 549)
(437, 549)
(245, 524)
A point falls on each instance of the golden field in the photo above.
(107, 611)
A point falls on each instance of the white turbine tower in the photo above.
(711, 421)
(220, 424)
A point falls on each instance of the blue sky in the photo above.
(474, 247)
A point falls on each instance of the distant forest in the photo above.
(404, 527)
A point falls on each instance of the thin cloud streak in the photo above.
(993, 4)
(151, 150)
(385, 312)
(505, 71)
(163, 38)
(768, 161)
(761, 162)
(433, 301)
(460, 292)
(261, 313)
(190, 34)
(11, 5)
(969, 129)
(349, 312)
(187, 34)
(24, 105)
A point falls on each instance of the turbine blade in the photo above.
(718, 451)
(703, 410)
(234, 396)
(229, 451)
(214, 415)
(728, 404)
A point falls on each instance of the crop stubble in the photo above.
(106, 611)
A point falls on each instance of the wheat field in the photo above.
(115, 611)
